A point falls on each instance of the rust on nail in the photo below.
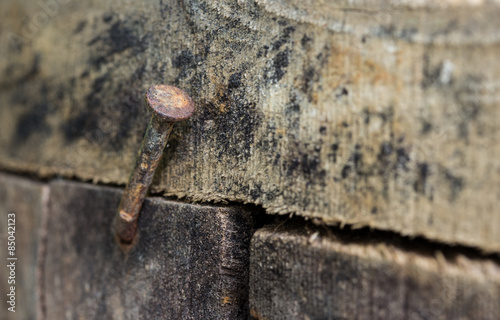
(168, 105)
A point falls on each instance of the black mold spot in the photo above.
(306, 162)
(74, 127)
(402, 158)
(263, 51)
(310, 75)
(469, 105)
(33, 71)
(422, 174)
(292, 112)
(118, 38)
(295, 163)
(139, 72)
(309, 164)
(107, 17)
(408, 33)
(234, 81)
(184, 59)
(426, 127)
(385, 165)
(324, 55)
(277, 159)
(374, 210)
(387, 115)
(99, 84)
(386, 150)
(247, 119)
(366, 116)
(293, 107)
(198, 80)
(60, 93)
(235, 128)
(431, 74)
(332, 156)
(322, 130)
(343, 92)
(280, 62)
(16, 43)
(387, 31)
(352, 165)
(456, 184)
(128, 106)
(79, 28)
(256, 192)
(356, 157)
(471, 110)
(85, 74)
(44, 89)
(85, 124)
(346, 170)
(122, 37)
(284, 39)
(33, 122)
(306, 42)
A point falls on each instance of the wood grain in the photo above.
(189, 261)
(28, 199)
(369, 113)
(295, 275)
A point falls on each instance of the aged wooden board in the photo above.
(305, 276)
(370, 113)
(190, 261)
(27, 199)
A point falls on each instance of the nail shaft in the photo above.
(169, 105)
(141, 177)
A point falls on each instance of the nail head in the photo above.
(169, 103)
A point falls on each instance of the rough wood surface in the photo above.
(28, 200)
(190, 261)
(299, 276)
(371, 113)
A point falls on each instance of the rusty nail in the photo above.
(169, 105)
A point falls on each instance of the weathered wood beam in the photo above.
(371, 113)
(189, 261)
(22, 271)
(299, 275)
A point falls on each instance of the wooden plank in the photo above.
(295, 275)
(370, 113)
(190, 261)
(27, 199)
